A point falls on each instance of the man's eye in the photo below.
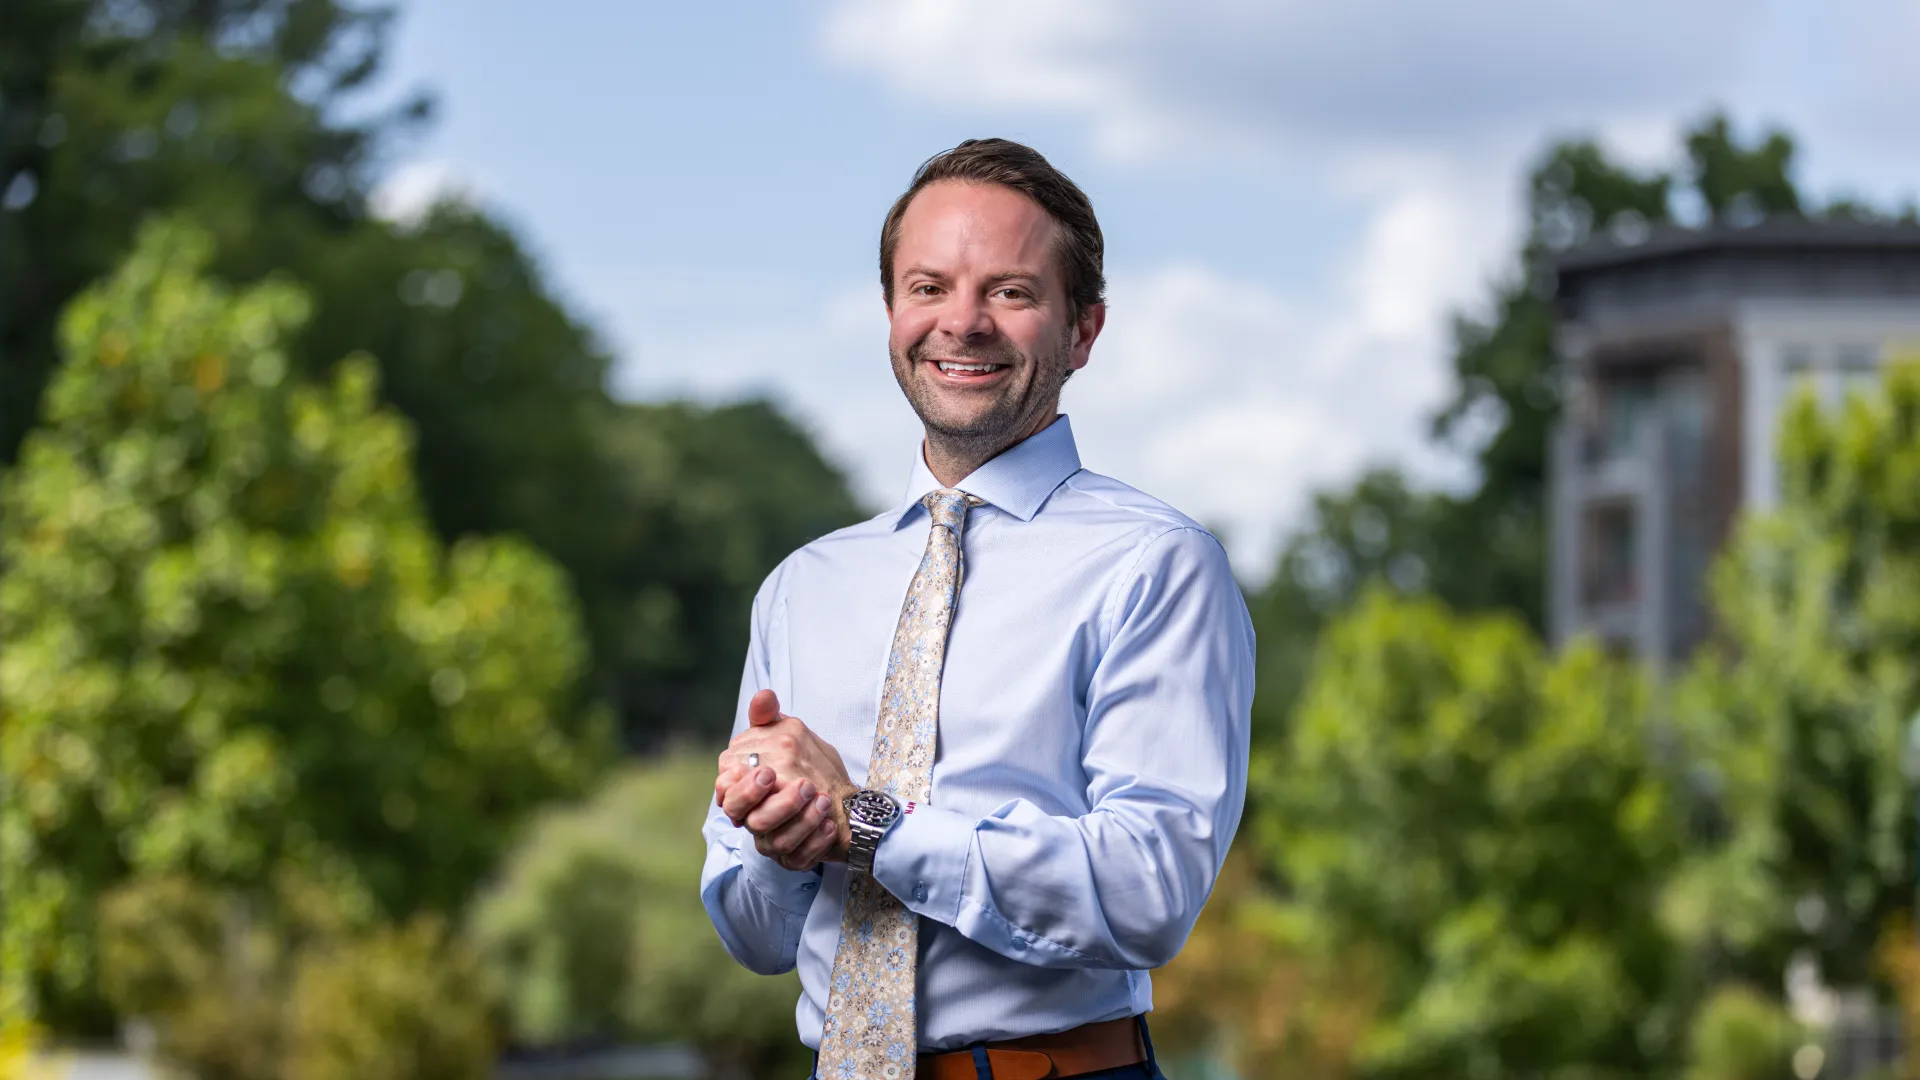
(1012, 293)
(925, 290)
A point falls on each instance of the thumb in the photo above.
(764, 709)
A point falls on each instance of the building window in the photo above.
(1834, 372)
(1611, 572)
(1856, 371)
(1627, 404)
(1800, 369)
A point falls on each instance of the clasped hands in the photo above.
(791, 802)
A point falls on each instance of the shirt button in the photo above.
(920, 892)
(806, 886)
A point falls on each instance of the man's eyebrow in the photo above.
(923, 271)
(1014, 275)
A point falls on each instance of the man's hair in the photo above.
(1080, 248)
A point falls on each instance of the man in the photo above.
(1001, 800)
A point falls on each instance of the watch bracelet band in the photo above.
(862, 842)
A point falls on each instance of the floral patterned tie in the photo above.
(870, 1031)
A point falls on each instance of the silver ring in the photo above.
(753, 761)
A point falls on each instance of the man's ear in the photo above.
(1086, 327)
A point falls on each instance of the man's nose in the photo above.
(966, 317)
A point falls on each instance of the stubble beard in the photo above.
(1033, 391)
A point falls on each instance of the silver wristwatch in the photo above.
(869, 815)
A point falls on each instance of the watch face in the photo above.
(872, 808)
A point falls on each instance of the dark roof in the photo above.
(1797, 235)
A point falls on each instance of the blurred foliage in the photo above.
(1379, 531)
(289, 986)
(1553, 873)
(1256, 990)
(235, 112)
(595, 930)
(267, 706)
(1490, 823)
(399, 1004)
(711, 499)
(230, 643)
(1574, 933)
(1741, 183)
(1798, 718)
(21, 1050)
(114, 109)
(1741, 1034)
(1899, 965)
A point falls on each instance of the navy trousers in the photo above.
(1143, 1070)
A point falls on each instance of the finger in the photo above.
(796, 831)
(746, 794)
(796, 849)
(729, 776)
(812, 851)
(780, 807)
(764, 709)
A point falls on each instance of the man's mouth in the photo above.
(962, 369)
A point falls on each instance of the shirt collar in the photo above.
(1018, 480)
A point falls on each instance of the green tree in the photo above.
(231, 643)
(110, 111)
(1377, 533)
(1798, 718)
(1260, 989)
(294, 987)
(1489, 822)
(711, 499)
(233, 111)
(1742, 182)
(1741, 1034)
(595, 929)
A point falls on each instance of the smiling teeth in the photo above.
(971, 368)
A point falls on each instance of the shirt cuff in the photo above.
(791, 891)
(922, 861)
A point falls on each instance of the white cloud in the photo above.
(408, 192)
(1235, 401)
(1295, 75)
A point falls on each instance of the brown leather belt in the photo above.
(1108, 1044)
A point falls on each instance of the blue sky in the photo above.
(1294, 195)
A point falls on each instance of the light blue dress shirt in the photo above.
(1092, 755)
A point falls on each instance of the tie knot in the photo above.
(949, 507)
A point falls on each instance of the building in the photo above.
(1678, 352)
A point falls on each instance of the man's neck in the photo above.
(953, 460)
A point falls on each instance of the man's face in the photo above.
(982, 333)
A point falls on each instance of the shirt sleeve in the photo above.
(1165, 754)
(757, 905)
